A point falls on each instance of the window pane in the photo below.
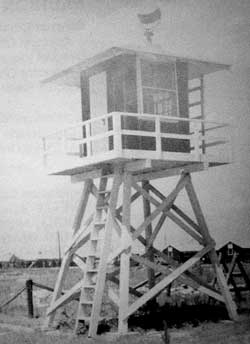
(159, 75)
(159, 102)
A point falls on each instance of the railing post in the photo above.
(158, 136)
(117, 132)
(196, 140)
(29, 288)
(88, 142)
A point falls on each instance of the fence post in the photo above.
(29, 288)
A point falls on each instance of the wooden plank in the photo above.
(68, 296)
(157, 229)
(194, 167)
(186, 228)
(80, 243)
(231, 307)
(131, 289)
(164, 206)
(186, 218)
(82, 205)
(93, 174)
(104, 256)
(148, 234)
(79, 262)
(125, 257)
(134, 166)
(193, 89)
(144, 282)
(215, 143)
(124, 292)
(167, 280)
(114, 297)
(58, 289)
(139, 85)
(186, 278)
(84, 230)
(199, 284)
(145, 193)
(132, 199)
(194, 104)
(205, 288)
(154, 266)
(203, 147)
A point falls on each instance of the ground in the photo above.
(208, 325)
(224, 332)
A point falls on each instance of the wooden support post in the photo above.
(125, 258)
(68, 255)
(82, 205)
(231, 307)
(148, 235)
(104, 255)
(29, 289)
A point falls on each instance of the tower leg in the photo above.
(125, 258)
(95, 314)
(148, 235)
(68, 257)
(231, 307)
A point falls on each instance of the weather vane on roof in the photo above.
(150, 21)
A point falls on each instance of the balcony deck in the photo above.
(140, 143)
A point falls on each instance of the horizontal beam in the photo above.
(169, 172)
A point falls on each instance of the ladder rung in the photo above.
(86, 318)
(197, 88)
(83, 318)
(104, 206)
(99, 224)
(89, 286)
(194, 104)
(94, 255)
(85, 302)
(92, 270)
(104, 192)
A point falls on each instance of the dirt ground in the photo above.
(17, 328)
(223, 332)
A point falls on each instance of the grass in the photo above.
(220, 333)
(16, 314)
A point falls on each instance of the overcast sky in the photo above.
(40, 37)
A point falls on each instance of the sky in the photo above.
(39, 38)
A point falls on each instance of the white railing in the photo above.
(139, 136)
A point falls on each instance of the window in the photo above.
(230, 250)
(159, 88)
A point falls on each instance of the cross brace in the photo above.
(112, 223)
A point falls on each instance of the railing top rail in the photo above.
(143, 115)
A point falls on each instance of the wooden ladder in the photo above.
(97, 256)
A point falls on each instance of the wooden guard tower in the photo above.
(143, 119)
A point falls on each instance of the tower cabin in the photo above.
(138, 105)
